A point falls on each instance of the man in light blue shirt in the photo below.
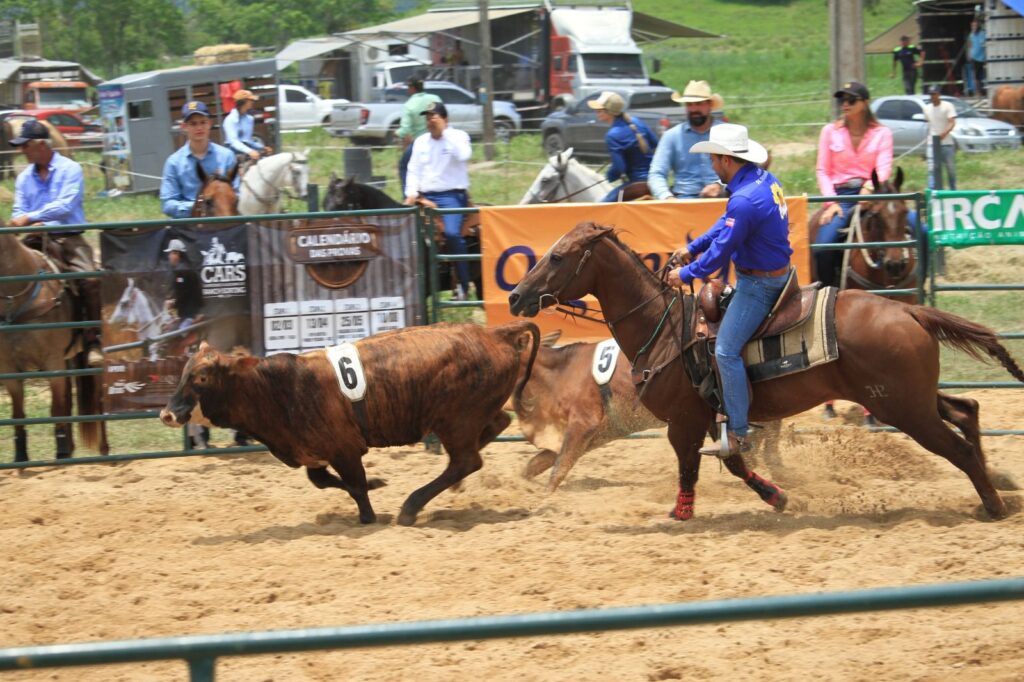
(238, 127)
(181, 183)
(694, 176)
(51, 191)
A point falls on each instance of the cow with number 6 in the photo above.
(327, 408)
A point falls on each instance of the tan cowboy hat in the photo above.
(611, 102)
(243, 95)
(696, 91)
(731, 139)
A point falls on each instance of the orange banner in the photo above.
(514, 238)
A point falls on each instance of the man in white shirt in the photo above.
(941, 116)
(439, 177)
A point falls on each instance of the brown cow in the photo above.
(565, 413)
(449, 379)
(1008, 105)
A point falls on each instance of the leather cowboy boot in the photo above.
(729, 446)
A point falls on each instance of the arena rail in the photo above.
(200, 652)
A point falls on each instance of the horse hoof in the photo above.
(683, 511)
(780, 501)
(406, 518)
(368, 518)
(997, 510)
(374, 483)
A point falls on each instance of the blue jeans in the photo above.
(454, 198)
(403, 166)
(751, 303)
(940, 155)
(826, 262)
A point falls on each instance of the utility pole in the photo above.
(486, 80)
(846, 31)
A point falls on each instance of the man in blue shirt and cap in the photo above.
(181, 183)
(754, 234)
(51, 191)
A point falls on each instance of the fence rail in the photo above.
(201, 651)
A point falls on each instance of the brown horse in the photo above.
(217, 196)
(892, 267)
(43, 349)
(888, 361)
(10, 128)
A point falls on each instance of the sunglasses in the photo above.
(849, 99)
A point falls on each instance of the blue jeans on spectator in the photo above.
(827, 261)
(454, 198)
(750, 304)
(940, 155)
(403, 166)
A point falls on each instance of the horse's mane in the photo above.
(613, 237)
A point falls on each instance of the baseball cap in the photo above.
(175, 245)
(852, 88)
(935, 90)
(696, 91)
(436, 108)
(611, 102)
(194, 107)
(243, 95)
(30, 130)
(415, 82)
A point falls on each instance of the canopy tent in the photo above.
(309, 48)
(890, 40)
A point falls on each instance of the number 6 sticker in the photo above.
(345, 361)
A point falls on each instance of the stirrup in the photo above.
(729, 445)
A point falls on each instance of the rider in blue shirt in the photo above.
(694, 176)
(181, 183)
(754, 234)
(238, 127)
(630, 142)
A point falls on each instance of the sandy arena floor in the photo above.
(206, 545)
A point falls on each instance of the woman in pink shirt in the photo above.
(848, 150)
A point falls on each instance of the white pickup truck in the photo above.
(377, 122)
(299, 108)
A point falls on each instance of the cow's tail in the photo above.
(517, 395)
(967, 336)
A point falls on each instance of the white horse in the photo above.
(141, 315)
(564, 179)
(263, 183)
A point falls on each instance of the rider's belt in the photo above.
(764, 273)
(852, 183)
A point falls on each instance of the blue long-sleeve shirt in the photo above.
(624, 149)
(238, 132)
(59, 200)
(693, 172)
(181, 184)
(754, 231)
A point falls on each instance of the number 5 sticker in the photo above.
(345, 361)
(605, 355)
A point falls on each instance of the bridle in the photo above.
(292, 191)
(203, 206)
(548, 199)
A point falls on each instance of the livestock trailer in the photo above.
(141, 115)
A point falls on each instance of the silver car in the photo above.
(974, 132)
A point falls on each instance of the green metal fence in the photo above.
(202, 651)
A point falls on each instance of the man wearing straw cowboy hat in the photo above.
(754, 234)
(694, 176)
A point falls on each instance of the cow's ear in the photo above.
(550, 338)
(246, 362)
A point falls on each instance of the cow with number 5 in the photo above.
(327, 408)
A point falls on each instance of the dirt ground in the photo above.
(205, 545)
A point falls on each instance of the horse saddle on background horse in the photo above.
(799, 333)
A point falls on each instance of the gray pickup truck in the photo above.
(377, 122)
(577, 126)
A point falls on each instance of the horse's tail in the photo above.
(967, 336)
(89, 390)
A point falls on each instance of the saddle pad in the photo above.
(811, 344)
(606, 354)
(344, 359)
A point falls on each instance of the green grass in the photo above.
(772, 68)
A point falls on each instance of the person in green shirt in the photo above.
(413, 124)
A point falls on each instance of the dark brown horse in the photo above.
(888, 361)
(43, 350)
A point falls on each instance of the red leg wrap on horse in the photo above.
(767, 491)
(684, 507)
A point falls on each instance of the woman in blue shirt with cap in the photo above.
(631, 143)
(754, 234)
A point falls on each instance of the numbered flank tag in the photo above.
(345, 361)
(605, 356)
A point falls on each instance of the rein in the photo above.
(561, 183)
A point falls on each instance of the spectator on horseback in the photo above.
(439, 178)
(693, 175)
(238, 126)
(630, 142)
(412, 124)
(181, 183)
(184, 291)
(848, 150)
(51, 191)
(754, 235)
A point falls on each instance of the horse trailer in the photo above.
(141, 115)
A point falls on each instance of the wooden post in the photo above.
(486, 80)
(846, 30)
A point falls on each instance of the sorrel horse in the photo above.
(43, 350)
(881, 220)
(349, 195)
(888, 361)
(217, 195)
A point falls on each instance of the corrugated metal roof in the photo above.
(309, 48)
(9, 67)
(431, 22)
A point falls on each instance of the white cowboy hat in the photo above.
(731, 139)
(696, 91)
(175, 245)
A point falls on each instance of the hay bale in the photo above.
(222, 54)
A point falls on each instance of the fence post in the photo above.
(312, 197)
(201, 669)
